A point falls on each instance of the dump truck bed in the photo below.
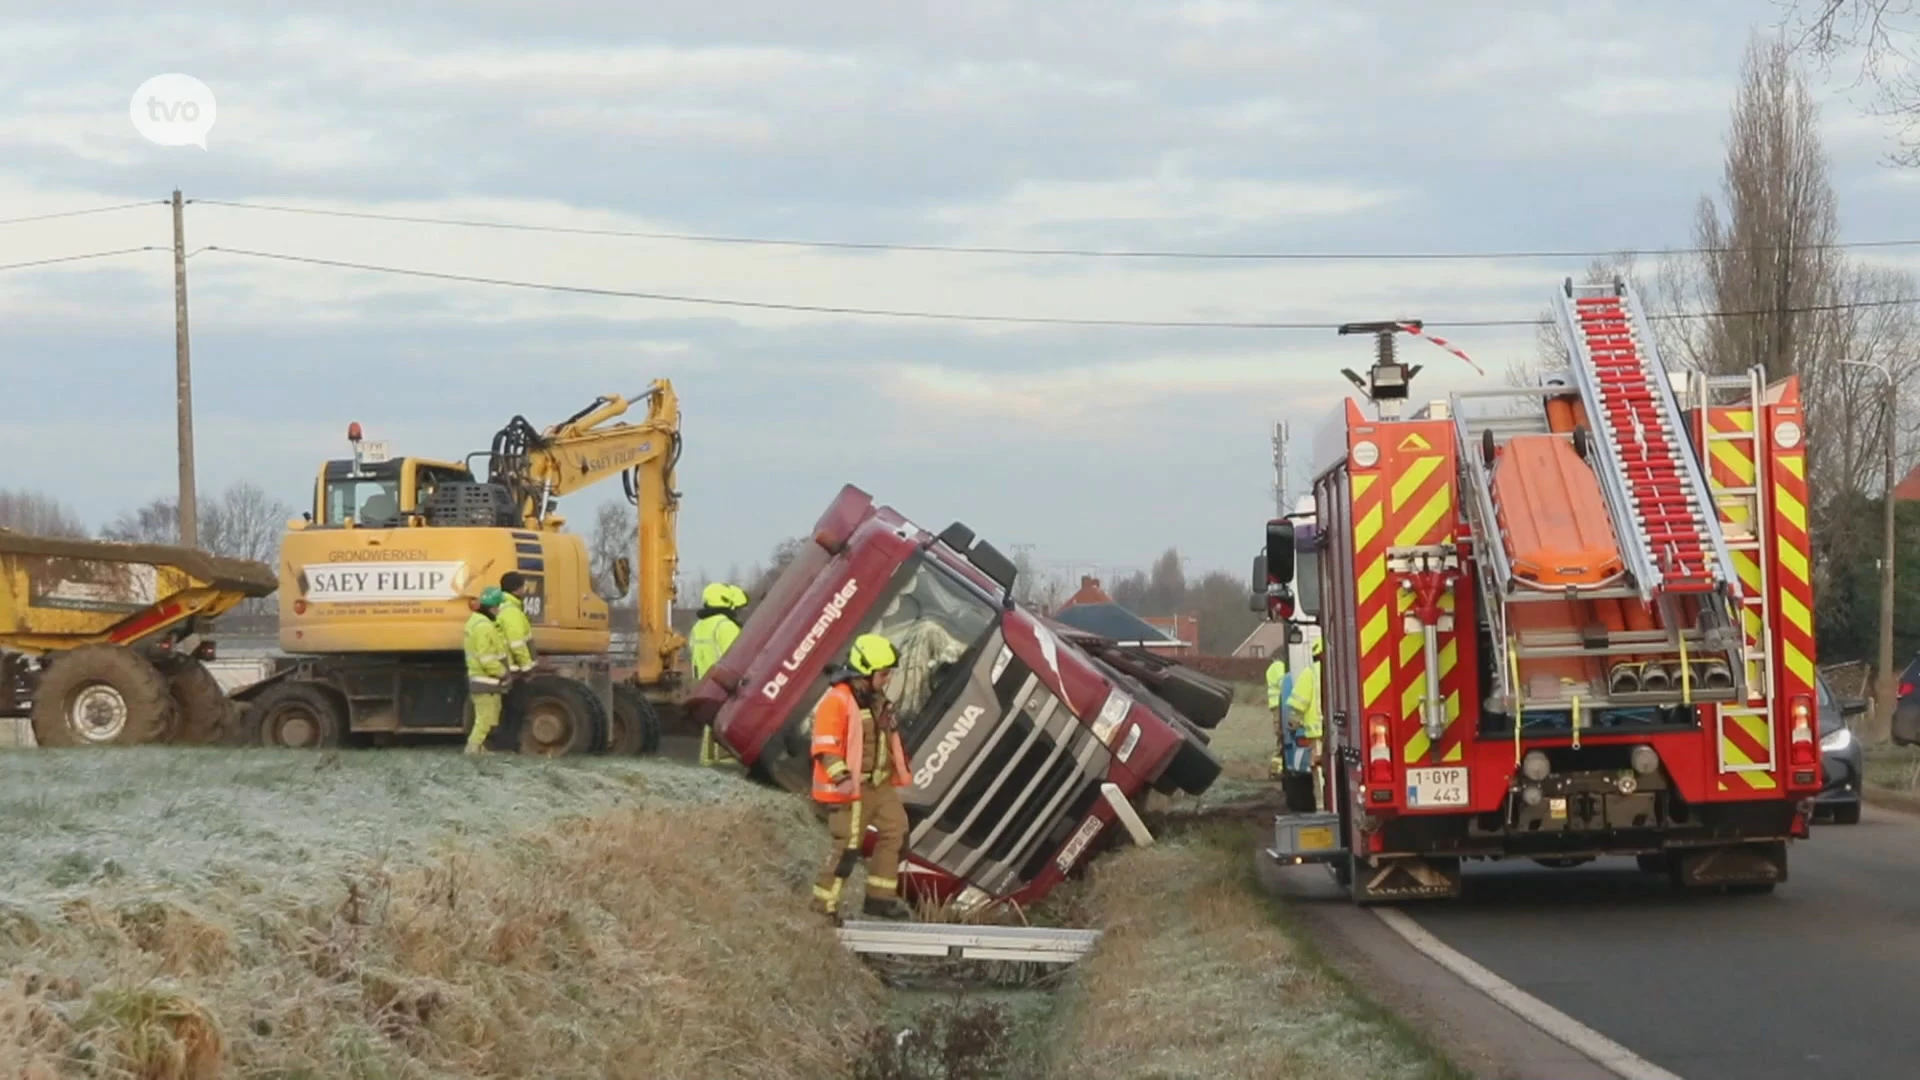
(58, 593)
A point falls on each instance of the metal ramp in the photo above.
(1026, 944)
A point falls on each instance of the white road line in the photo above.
(1609, 1054)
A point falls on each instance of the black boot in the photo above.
(886, 908)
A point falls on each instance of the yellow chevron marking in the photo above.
(1798, 663)
(1739, 418)
(1410, 481)
(1413, 441)
(1373, 631)
(1748, 568)
(1377, 681)
(1794, 562)
(1790, 508)
(1795, 464)
(1423, 522)
(1367, 529)
(1796, 612)
(1737, 462)
(1416, 690)
(1371, 578)
(1755, 728)
(1734, 509)
(1363, 482)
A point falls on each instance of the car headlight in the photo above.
(1112, 711)
(1838, 740)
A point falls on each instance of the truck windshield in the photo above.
(934, 621)
(371, 501)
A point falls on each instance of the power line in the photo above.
(77, 258)
(1067, 252)
(974, 317)
(78, 213)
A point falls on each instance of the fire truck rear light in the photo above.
(1803, 749)
(1906, 688)
(1379, 756)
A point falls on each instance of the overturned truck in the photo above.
(1032, 745)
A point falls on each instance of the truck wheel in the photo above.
(101, 695)
(634, 728)
(554, 715)
(206, 714)
(296, 716)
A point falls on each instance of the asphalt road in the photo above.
(1819, 979)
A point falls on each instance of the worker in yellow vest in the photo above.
(1276, 704)
(1304, 704)
(715, 632)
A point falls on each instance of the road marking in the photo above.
(1607, 1053)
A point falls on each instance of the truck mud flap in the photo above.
(1762, 864)
(1404, 878)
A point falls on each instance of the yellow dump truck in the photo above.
(102, 643)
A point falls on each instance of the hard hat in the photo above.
(716, 595)
(736, 596)
(1319, 646)
(491, 596)
(872, 653)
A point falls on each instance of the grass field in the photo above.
(169, 914)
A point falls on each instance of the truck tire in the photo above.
(552, 715)
(296, 716)
(206, 714)
(635, 729)
(101, 695)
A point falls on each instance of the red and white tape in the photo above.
(1443, 343)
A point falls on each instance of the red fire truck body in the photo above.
(1561, 622)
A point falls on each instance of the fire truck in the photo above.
(1031, 745)
(1561, 621)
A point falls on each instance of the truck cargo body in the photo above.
(1024, 748)
(1499, 684)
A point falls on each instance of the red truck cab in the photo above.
(1025, 747)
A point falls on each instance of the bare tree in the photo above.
(155, 522)
(1878, 36)
(1034, 586)
(42, 515)
(615, 535)
(783, 553)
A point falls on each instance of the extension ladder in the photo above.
(1661, 506)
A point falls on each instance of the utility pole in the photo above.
(183, 381)
(1884, 674)
(1279, 468)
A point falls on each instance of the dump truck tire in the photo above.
(635, 728)
(206, 714)
(101, 695)
(553, 716)
(296, 716)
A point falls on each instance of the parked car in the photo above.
(1842, 760)
(1906, 713)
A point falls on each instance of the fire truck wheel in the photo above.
(101, 695)
(296, 716)
(554, 716)
(634, 729)
(206, 713)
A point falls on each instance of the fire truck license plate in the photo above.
(1437, 787)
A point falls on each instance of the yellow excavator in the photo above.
(377, 581)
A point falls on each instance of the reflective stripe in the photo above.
(822, 894)
(882, 882)
(519, 641)
(488, 679)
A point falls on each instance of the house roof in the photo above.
(1267, 637)
(1184, 629)
(1089, 592)
(1114, 622)
(1908, 489)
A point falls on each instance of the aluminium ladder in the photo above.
(1661, 506)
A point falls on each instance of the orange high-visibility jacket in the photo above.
(837, 731)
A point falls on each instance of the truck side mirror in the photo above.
(1258, 582)
(1279, 552)
(622, 575)
(993, 564)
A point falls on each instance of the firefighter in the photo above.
(486, 649)
(1277, 689)
(514, 624)
(859, 765)
(712, 635)
(1304, 704)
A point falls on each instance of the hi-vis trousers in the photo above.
(846, 824)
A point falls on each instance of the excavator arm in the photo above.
(539, 467)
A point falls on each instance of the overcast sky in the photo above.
(1211, 124)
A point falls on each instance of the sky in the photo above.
(1215, 125)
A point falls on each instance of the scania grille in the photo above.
(999, 818)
